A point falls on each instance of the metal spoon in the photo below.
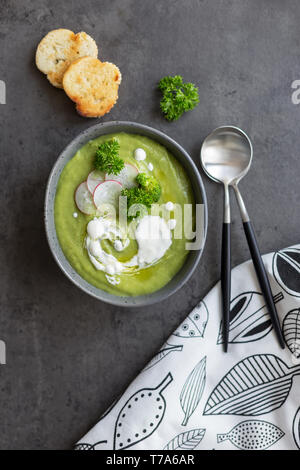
(226, 156)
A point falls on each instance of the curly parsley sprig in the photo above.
(107, 157)
(178, 97)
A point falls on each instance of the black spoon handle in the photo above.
(226, 280)
(263, 279)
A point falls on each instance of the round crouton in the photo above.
(92, 85)
(58, 49)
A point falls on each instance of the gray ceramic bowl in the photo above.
(199, 193)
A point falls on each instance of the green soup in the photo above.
(71, 231)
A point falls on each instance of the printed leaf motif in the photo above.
(252, 435)
(162, 354)
(192, 390)
(291, 331)
(148, 406)
(286, 270)
(249, 318)
(186, 440)
(86, 446)
(255, 386)
(195, 324)
(296, 428)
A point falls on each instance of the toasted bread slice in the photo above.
(58, 49)
(93, 85)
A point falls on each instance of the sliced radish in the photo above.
(94, 178)
(107, 192)
(126, 177)
(84, 199)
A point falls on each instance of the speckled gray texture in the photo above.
(69, 355)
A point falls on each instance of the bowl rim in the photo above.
(53, 242)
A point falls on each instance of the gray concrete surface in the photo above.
(68, 355)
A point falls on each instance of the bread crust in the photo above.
(92, 85)
(58, 49)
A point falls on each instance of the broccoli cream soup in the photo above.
(132, 255)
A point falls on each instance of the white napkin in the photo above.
(194, 396)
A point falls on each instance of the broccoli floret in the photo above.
(150, 184)
(107, 157)
(137, 196)
(146, 193)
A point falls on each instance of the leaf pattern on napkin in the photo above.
(192, 390)
(241, 391)
(148, 405)
(296, 428)
(249, 318)
(195, 324)
(286, 270)
(252, 435)
(187, 440)
(86, 446)
(162, 353)
(255, 386)
(291, 331)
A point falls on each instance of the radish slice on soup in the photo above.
(107, 192)
(126, 177)
(94, 178)
(84, 200)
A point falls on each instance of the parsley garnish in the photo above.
(178, 97)
(107, 157)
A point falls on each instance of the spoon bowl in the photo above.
(226, 155)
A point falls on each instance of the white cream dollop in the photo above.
(169, 206)
(99, 229)
(118, 246)
(112, 280)
(95, 228)
(95, 248)
(140, 154)
(172, 224)
(153, 237)
(110, 269)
